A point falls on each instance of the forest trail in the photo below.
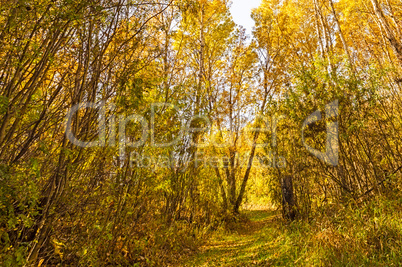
(257, 242)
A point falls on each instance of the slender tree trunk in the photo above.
(345, 45)
(395, 43)
(288, 199)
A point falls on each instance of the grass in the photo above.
(239, 246)
(369, 235)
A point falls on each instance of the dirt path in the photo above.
(245, 246)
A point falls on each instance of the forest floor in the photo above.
(254, 242)
(366, 235)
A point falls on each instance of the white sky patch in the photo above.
(241, 13)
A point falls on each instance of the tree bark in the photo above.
(395, 44)
(288, 199)
(345, 45)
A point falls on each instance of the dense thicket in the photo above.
(115, 203)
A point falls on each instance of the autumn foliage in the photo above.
(194, 76)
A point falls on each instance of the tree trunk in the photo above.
(393, 40)
(345, 45)
(288, 199)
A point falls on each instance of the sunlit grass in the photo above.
(364, 235)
